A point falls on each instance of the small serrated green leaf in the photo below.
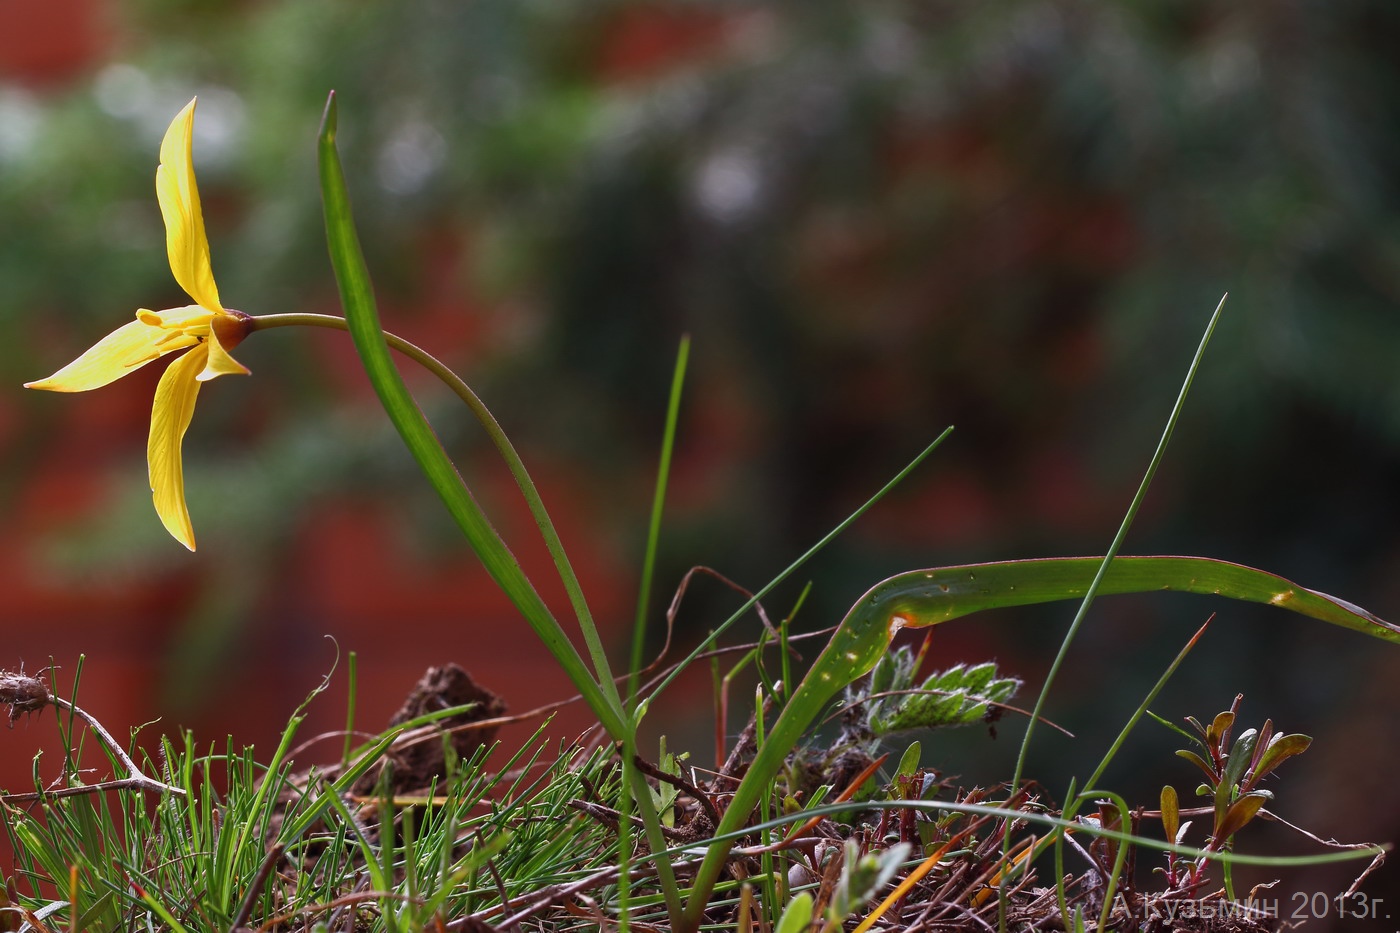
(1002, 690)
(980, 676)
(957, 696)
(944, 709)
(951, 679)
(862, 877)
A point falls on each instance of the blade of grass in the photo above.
(1115, 545)
(714, 857)
(352, 671)
(709, 640)
(1071, 809)
(658, 502)
(1119, 537)
(663, 472)
(936, 807)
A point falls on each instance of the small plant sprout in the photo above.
(863, 877)
(894, 701)
(1232, 772)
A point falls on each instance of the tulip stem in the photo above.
(507, 451)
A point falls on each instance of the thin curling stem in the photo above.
(508, 453)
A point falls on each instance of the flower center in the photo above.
(231, 327)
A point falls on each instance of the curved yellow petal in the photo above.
(185, 241)
(170, 416)
(124, 350)
(219, 362)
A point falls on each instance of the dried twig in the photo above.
(678, 782)
(25, 694)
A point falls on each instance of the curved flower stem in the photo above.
(508, 453)
(374, 347)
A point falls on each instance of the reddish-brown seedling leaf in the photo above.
(1199, 762)
(1280, 750)
(1171, 813)
(1218, 735)
(1261, 745)
(1240, 813)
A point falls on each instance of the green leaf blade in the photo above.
(362, 316)
(927, 597)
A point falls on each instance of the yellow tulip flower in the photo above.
(206, 329)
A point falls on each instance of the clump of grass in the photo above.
(202, 840)
(221, 840)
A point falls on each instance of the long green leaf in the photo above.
(932, 596)
(658, 502)
(928, 597)
(357, 297)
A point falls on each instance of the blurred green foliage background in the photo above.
(875, 219)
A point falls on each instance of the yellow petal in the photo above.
(124, 350)
(219, 363)
(185, 241)
(170, 416)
